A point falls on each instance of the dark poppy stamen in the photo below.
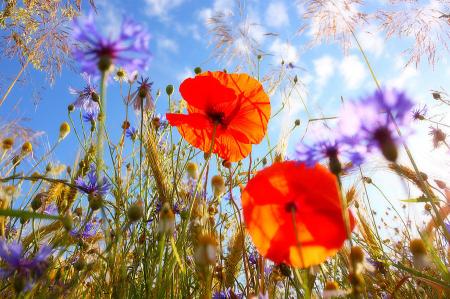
(291, 207)
(216, 117)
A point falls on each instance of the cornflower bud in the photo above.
(135, 211)
(27, 148)
(64, 130)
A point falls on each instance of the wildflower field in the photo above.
(224, 149)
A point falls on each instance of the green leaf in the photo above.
(27, 214)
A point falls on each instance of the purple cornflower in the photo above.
(129, 49)
(28, 268)
(253, 258)
(131, 133)
(142, 97)
(90, 116)
(99, 187)
(51, 209)
(328, 146)
(89, 230)
(369, 122)
(175, 208)
(228, 293)
(87, 98)
(220, 295)
(419, 113)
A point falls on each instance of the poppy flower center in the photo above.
(290, 207)
(217, 117)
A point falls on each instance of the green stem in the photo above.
(101, 123)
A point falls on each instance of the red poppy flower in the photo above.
(289, 191)
(235, 104)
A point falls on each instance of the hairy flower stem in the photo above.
(101, 124)
(305, 284)
(140, 151)
(345, 212)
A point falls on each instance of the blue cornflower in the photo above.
(228, 293)
(253, 258)
(87, 98)
(99, 187)
(51, 209)
(175, 208)
(327, 146)
(90, 229)
(131, 133)
(129, 49)
(90, 116)
(369, 122)
(220, 295)
(28, 268)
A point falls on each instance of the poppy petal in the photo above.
(253, 114)
(198, 130)
(314, 232)
(206, 92)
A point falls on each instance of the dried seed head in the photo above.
(192, 170)
(218, 185)
(166, 219)
(7, 143)
(417, 247)
(206, 250)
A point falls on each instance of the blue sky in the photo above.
(180, 42)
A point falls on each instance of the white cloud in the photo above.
(284, 51)
(276, 15)
(371, 40)
(167, 44)
(161, 8)
(352, 71)
(204, 15)
(323, 68)
(403, 78)
(186, 73)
